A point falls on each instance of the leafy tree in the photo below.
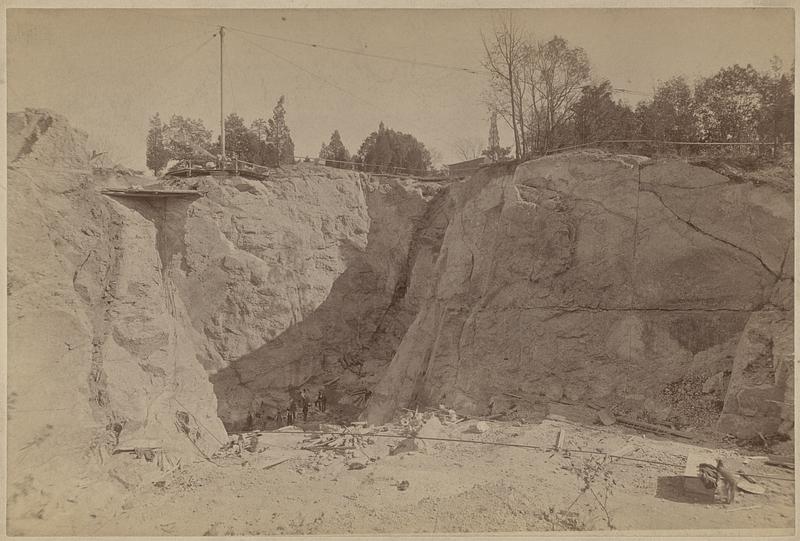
(555, 74)
(335, 149)
(387, 149)
(280, 135)
(261, 128)
(775, 122)
(262, 148)
(239, 141)
(597, 117)
(671, 115)
(157, 155)
(729, 104)
(534, 85)
(187, 138)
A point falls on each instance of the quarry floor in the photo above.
(452, 487)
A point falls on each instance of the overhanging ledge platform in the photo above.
(151, 193)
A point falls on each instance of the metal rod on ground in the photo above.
(522, 446)
(493, 443)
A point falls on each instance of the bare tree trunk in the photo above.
(513, 110)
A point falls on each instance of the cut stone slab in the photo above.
(290, 428)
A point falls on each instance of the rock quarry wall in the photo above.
(353, 334)
(647, 286)
(614, 279)
(122, 309)
(101, 349)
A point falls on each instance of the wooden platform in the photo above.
(151, 193)
(202, 172)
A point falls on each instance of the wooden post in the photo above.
(221, 103)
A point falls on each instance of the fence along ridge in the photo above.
(663, 142)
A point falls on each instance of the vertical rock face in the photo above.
(353, 334)
(101, 350)
(259, 257)
(120, 308)
(613, 277)
(150, 352)
(606, 277)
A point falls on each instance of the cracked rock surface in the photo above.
(609, 276)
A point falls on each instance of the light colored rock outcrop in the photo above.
(100, 348)
(583, 275)
(259, 257)
(612, 276)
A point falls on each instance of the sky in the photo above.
(108, 71)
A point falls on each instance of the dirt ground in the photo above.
(281, 489)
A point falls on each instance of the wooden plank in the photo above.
(276, 464)
(781, 459)
(785, 466)
(652, 428)
(151, 193)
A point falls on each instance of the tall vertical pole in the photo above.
(221, 103)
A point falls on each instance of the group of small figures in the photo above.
(305, 402)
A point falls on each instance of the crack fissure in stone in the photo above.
(706, 233)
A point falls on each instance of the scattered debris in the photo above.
(343, 440)
(356, 466)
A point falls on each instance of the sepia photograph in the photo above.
(375, 271)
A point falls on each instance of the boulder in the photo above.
(479, 427)
(407, 445)
(760, 395)
(714, 383)
(554, 391)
